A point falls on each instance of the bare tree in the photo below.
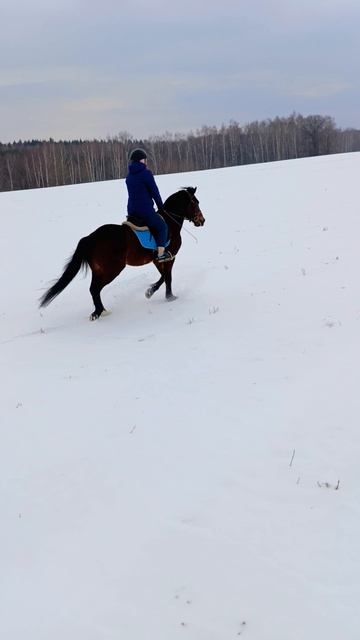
(36, 163)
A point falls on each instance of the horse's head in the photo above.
(194, 213)
(185, 204)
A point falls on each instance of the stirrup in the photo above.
(165, 257)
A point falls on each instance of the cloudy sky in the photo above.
(93, 68)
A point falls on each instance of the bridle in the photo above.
(196, 219)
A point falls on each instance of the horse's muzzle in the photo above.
(199, 219)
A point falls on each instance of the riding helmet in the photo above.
(137, 154)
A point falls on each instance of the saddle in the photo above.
(143, 233)
(135, 223)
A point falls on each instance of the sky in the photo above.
(84, 69)
(185, 470)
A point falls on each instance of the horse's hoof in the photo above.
(149, 292)
(95, 315)
(171, 298)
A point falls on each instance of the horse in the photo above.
(111, 247)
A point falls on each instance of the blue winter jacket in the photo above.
(142, 190)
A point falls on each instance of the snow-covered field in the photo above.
(186, 469)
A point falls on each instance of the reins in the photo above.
(173, 217)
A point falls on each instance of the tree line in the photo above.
(48, 163)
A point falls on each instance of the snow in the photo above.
(186, 469)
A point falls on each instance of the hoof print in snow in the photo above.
(327, 485)
(332, 323)
(213, 310)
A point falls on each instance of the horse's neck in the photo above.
(174, 222)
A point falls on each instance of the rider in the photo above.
(142, 190)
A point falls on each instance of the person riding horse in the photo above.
(142, 191)
(111, 247)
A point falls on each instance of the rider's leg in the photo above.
(159, 228)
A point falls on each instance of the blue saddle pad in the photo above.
(146, 239)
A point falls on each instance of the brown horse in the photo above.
(111, 247)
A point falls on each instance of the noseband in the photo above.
(197, 217)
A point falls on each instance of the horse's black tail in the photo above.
(73, 266)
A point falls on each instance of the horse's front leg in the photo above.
(165, 270)
(167, 273)
(154, 287)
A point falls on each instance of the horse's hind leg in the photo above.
(98, 282)
(95, 287)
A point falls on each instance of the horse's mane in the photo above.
(176, 200)
(188, 189)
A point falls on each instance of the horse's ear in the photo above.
(195, 189)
